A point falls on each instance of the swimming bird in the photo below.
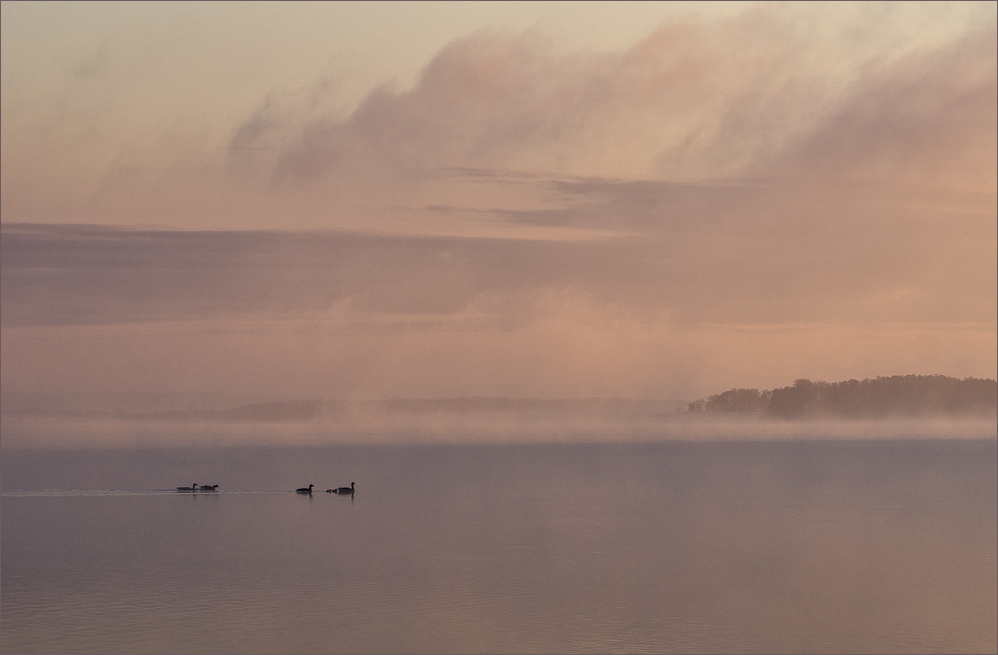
(193, 487)
(305, 490)
(208, 487)
(342, 490)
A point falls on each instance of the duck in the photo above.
(193, 487)
(208, 487)
(342, 490)
(305, 490)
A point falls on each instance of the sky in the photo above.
(556, 200)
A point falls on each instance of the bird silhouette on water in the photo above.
(193, 487)
(342, 490)
(305, 490)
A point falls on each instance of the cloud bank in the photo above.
(749, 97)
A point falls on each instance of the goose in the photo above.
(342, 490)
(193, 487)
(305, 490)
(208, 487)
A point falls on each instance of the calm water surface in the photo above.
(672, 547)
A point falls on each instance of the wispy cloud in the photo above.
(697, 101)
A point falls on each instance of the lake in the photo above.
(756, 546)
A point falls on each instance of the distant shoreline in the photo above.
(899, 407)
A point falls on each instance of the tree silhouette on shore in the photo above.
(881, 397)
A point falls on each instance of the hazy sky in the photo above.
(362, 200)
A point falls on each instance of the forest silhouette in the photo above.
(907, 396)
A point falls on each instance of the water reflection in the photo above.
(642, 548)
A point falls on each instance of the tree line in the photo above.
(882, 397)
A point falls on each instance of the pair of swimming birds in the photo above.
(203, 487)
(338, 490)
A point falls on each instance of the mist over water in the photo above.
(366, 428)
(755, 546)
